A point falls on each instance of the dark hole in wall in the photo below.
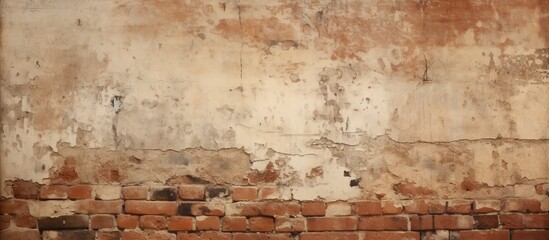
(354, 182)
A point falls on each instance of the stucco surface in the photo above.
(328, 99)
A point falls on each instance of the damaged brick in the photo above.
(63, 222)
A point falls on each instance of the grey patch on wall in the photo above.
(179, 159)
(116, 103)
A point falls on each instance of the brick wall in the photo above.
(213, 212)
(225, 119)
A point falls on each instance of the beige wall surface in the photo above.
(326, 99)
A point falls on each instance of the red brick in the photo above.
(134, 235)
(178, 223)
(416, 207)
(436, 207)
(330, 236)
(486, 221)
(332, 223)
(234, 224)
(484, 235)
(191, 192)
(539, 189)
(127, 221)
(5, 221)
(368, 208)
(460, 207)
(208, 209)
(287, 224)
(389, 208)
(160, 235)
(453, 222)
(20, 235)
(244, 193)
(204, 236)
(522, 205)
(102, 221)
(261, 224)
(264, 208)
(511, 221)
(261, 236)
(269, 192)
(89, 206)
(313, 208)
(153, 222)
(419, 223)
(151, 208)
(26, 221)
(383, 223)
(14, 206)
(26, 190)
(53, 192)
(391, 235)
(204, 223)
(530, 235)
(536, 220)
(114, 235)
(80, 192)
(135, 192)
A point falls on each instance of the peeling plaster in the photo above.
(331, 100)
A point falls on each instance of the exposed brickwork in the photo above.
(102, 221)
(53, 192)
(368, 208)
(195, 212)
(80, 192)
(5, 221)
(26, 221)
(244, 193)
(135, 192)
(313, 209)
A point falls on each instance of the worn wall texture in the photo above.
(333, 101)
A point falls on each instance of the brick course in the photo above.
(195, 212)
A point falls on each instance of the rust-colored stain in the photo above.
(108, 173)
(67, 172)
(470, 184)
(54, 90)
(260, 33)
(315, 172)
(411, 190)
(269, 175)
(149, 18)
